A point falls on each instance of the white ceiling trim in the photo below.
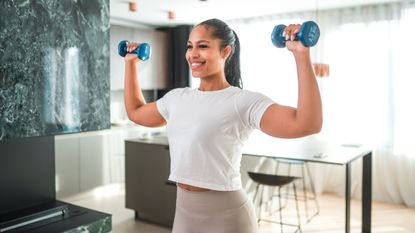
(153, 13)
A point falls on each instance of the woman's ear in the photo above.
(226, 52)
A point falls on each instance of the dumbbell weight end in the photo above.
(309, 34)
(277, 37)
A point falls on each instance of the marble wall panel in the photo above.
(54, 67)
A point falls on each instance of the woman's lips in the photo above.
(196, 65)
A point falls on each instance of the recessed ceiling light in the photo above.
(132, 6)
(171, 15)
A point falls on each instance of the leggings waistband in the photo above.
(210, 202)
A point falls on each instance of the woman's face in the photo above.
(204, 56)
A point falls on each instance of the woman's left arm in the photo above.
(307, 118)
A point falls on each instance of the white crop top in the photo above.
(206, 131)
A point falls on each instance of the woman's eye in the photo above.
(203, 46)
(189, 47)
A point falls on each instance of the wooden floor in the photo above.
(386, 218)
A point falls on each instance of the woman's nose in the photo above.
(194, 53)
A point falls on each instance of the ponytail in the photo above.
(228, 37)
(233, 67)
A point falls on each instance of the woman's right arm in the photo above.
(137, 109)
(307, 118)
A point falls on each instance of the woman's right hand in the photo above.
(293, 45)
(131, 57)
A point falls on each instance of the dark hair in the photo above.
(223, 32)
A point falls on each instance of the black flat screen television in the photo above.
(27, 174)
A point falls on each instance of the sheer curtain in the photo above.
(368, 98)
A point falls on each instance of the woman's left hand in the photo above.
(293, 45)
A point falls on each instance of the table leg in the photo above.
(347, 195)
(367, 193)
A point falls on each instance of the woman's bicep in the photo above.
(147, 115)
(280, 121)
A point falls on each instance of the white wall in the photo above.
(153, 72)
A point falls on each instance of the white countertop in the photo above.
(113, 129)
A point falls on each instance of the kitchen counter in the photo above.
(157, 140)
(147, 189)
(114, 129)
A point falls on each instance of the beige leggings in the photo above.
(214, 212)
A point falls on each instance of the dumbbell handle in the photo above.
(143, 51)
(308, 35)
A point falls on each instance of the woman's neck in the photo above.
(213, 84)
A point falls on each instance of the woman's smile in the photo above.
(196, 65)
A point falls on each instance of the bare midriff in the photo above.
(191, 188)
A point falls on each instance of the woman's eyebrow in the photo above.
(198, 42)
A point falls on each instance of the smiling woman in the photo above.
(207, 126)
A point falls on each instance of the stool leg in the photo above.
(260, 202)
(296, 206)
(287, 190)
(256, 192)
(305, 192)
(279, 206)
(254, 201)
(277, 166)
(313, 189)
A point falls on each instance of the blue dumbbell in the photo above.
(143, 51)
(308, 34)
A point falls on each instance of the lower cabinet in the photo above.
(147, 190)
(94, 162)
(67, 166)
(81, 163)
(88, 160)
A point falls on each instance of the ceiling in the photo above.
(153, 13)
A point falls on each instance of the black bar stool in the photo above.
(305, 173)
(263, 180)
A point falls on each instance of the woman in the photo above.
(207, 126)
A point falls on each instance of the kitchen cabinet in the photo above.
(147, 190)
(117, 151)
(94, 161)
(87, 160)
(81, 163)
(67, 166)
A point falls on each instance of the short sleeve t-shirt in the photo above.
(206, 131)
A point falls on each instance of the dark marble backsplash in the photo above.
(54, 67)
